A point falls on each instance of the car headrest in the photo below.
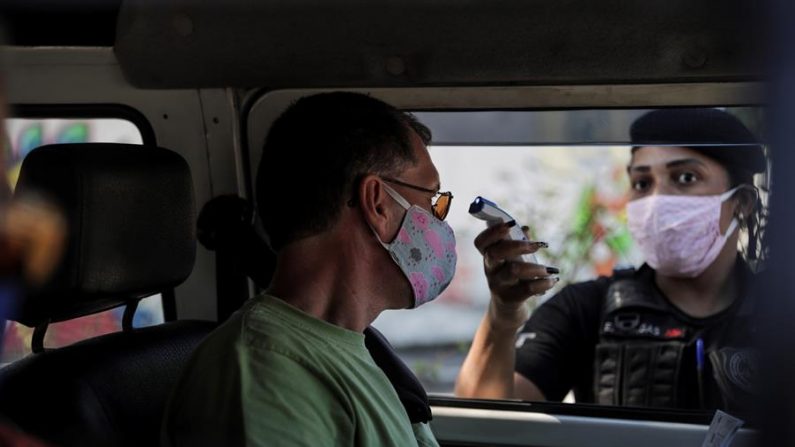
(131, 217)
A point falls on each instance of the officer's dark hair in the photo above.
(720, 136)
(318, 149)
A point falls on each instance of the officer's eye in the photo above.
(686, 178)
(640, 185)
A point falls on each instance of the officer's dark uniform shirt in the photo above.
(620, 341)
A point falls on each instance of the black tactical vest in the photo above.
(643, 349)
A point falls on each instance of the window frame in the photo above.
(263, 106)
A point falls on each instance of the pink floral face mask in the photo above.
(424, 249)
(679, 235)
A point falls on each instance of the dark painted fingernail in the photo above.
(541, 244)
(553, 270)
(510, 224)
(525, 228)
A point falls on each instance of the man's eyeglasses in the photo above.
(440, 204)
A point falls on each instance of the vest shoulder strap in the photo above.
(628, 291)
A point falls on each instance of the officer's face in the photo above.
(675, 171)
(678, 171)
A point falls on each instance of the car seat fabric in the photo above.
(132, 219)
(105, 391)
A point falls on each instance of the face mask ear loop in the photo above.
(398, 198)
(386, 246)
(728, 194)
(732, 228)
(734, 223)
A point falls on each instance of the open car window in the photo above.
(563, 174)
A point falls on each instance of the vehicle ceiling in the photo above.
(316, 43)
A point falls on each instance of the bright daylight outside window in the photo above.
(24, 135)
(562, 173)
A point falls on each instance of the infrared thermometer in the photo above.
(488, 211)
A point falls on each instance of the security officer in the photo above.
(675, 332)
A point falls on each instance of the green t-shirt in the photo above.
(273, 375)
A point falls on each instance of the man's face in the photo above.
(422, 174)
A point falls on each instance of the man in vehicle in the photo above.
(350, 200)
(674, 333)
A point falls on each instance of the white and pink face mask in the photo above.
(424, 249)
(679, 236)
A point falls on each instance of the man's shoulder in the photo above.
(256, 326)
(215, 365)
(210, 381)
(228, 377)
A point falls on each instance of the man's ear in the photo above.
(373, 200)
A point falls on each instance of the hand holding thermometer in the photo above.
(488, 211)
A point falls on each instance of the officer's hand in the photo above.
(512, 282)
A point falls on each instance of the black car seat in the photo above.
(132, 233)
